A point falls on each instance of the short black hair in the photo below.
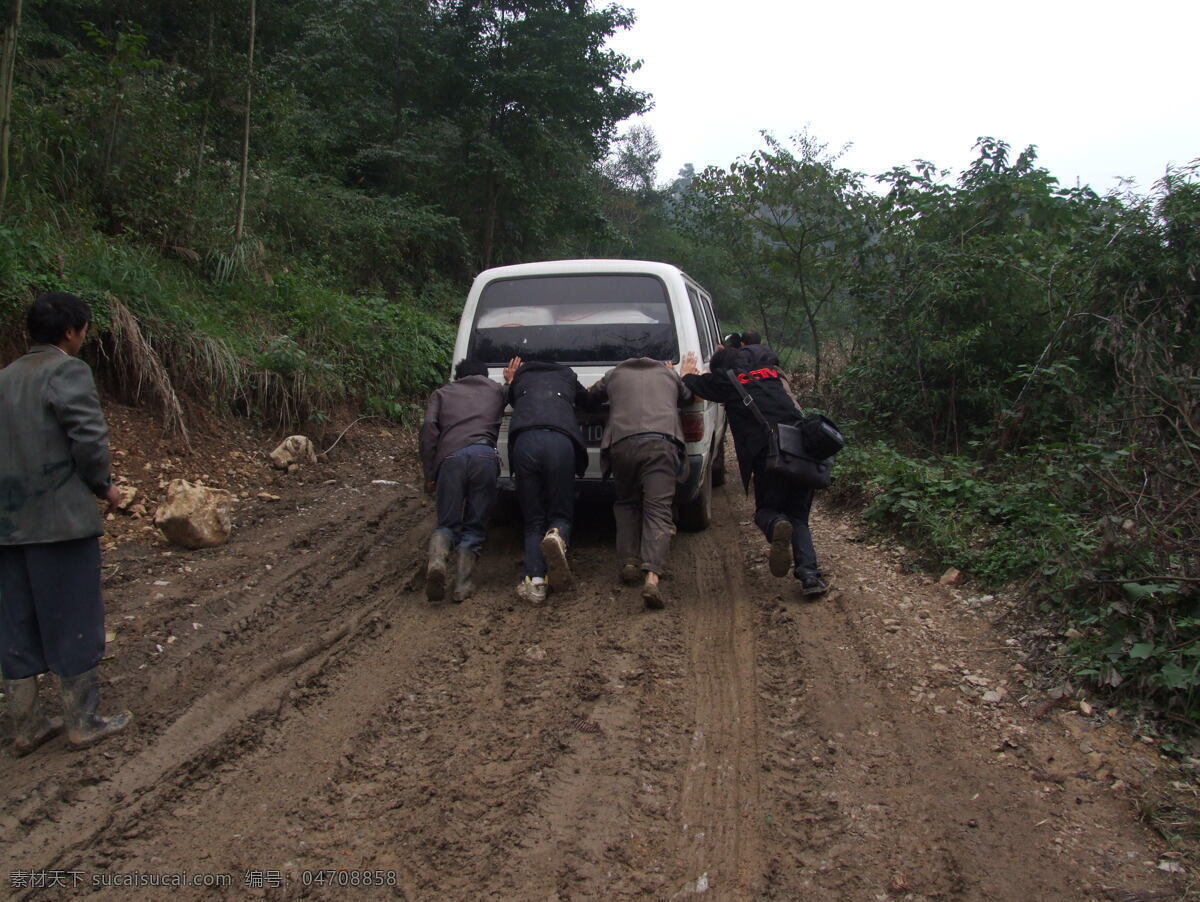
(751, 338)
(732, 340)
(722, 359)
(52, 314)
(468, 367)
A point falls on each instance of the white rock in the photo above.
(293, 451)
(952, 577)
(195, 516)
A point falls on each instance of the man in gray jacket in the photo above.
(644, 449)
(458, 453)
(54, 464)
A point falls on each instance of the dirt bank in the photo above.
(307, 723)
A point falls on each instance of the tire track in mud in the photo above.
(719, 808)
(874, 790)
(216, 688)
(521, 773)
(495, 748)
(737, 745)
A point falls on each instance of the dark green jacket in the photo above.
(54, 459)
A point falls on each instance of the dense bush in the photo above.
(1032, 519)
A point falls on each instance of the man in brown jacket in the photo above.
(458, 453)
(54, 464)
(644, 449)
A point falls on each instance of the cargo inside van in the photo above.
(600, 318)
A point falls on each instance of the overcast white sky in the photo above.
(1104, 89)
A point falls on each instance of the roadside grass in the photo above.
(1034, 522)
(1033, 526)
(285, 349)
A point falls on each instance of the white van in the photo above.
(591, 315)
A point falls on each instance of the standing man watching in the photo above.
(545, 453)
(781, 510)
(458, 453)
(54, 464)
(644, 449)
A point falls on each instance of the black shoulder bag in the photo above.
(803, 454)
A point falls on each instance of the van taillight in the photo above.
(693, 426)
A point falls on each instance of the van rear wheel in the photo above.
(718, 466)
(696, 514)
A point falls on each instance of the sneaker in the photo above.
(530, 591)
(780, 557)
(631, 574)
(812, 586)
(554, 550)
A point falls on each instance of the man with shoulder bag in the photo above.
(767, 426)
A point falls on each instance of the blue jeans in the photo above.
(776, 499)
(466, 494)
(543, 463)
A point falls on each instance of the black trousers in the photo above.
(543, 464)
(775, 499)
(51, 612)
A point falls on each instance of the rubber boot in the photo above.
(465, 564)
(81, 702)
(31, 727)
(435, 572)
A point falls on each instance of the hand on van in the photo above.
(689, 366)
(511, 369)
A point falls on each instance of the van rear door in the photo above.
(588, 321)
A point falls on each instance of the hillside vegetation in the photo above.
(276, 210)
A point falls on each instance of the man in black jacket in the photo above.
(458, 454)
(781, 509)
(545, 454)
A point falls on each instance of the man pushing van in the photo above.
(546, 453)
(458, 453)
(643, 447)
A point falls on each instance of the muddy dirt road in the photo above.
(310, 727)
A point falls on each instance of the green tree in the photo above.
(8, 61)
(538, 101)
(965, 285)
(794, 225)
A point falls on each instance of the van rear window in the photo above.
(601, 318)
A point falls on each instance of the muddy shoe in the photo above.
(31, 727)
(81, 701)
(435, 572)
(780, 557)
(812, 587)
(631, 574)
(554, 550)
(652, 597)
(465, 565)
(528, 590)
